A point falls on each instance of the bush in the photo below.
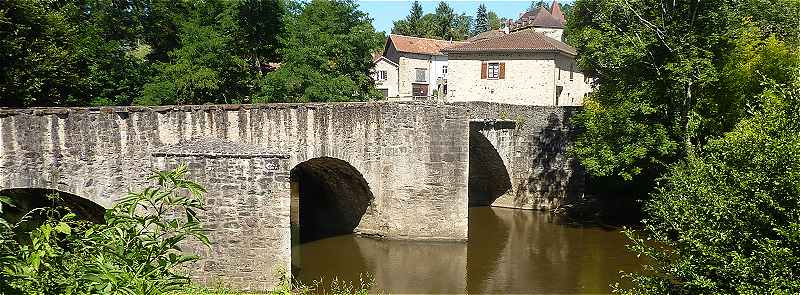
(135, 252)
(728, 220)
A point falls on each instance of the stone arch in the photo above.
(488, 176)
(329, 197)
(26, 199)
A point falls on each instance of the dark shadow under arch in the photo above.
(488, 176)
(26, 199)
(331, 196)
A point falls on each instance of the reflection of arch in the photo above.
(488, 236)
(333, 196)
(488, 176)
(26, 199)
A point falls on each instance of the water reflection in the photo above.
(509, 251)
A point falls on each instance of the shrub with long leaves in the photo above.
(137, 251)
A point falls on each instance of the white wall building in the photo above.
(385, 74)
(525, 67)
(422, 66)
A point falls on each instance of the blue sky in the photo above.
(383, 12)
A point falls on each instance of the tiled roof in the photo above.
(520, 41)
(486, 35)
(540, 18)
(420, 45)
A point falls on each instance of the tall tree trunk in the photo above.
(687, 121)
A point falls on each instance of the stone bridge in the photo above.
(384, 169)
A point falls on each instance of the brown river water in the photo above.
(509, 251)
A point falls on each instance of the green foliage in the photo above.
(220, 52)
(288, 286)
(99, 52)
(443, 24)
(137, 251)
(494, 21)
(59, 53)
(536, 4)
(206, 66)
(727, 221)
(668, 78)
(412, 25)
(326, 55)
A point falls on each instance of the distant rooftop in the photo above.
(419, 45)
(541, 18)
(527, 40)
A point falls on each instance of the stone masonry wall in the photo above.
(413, 156)
(532, 142)
(529, 78)
(247, 213)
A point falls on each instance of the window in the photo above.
(444, 71)
(559, 73)
(571, 68)
(422, 75)
(381, 76)
(493, 70)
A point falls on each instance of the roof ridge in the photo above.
(415, 37)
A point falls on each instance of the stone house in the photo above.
(421, 65)
(385, 75)
(524, 67)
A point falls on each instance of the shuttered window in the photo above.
(493, 70)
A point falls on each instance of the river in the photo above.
(509, 251)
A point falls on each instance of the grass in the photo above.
(287, 286)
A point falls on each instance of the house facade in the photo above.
(385, 75)
(524, 67)
(422, 66)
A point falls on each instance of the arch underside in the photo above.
(333, 197)
(26, 199)
(488, 176)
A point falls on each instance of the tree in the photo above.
(660, 81)
(727, 220)
(260, 25)
(482, 20)
(445, 21)
(463, 27)
(536, 4)
(494, 21)
(206, 66)
(412, 25)
(57, 53)
(326, 55)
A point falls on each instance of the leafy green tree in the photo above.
(445, 21)
(494, 21)
(661, 86)
(206, 66)
(134, 252)
(326, 55)
(482, 20)
(727, 220)
(536, 4)
(59, 53)
(412, 25)
(260, 25)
